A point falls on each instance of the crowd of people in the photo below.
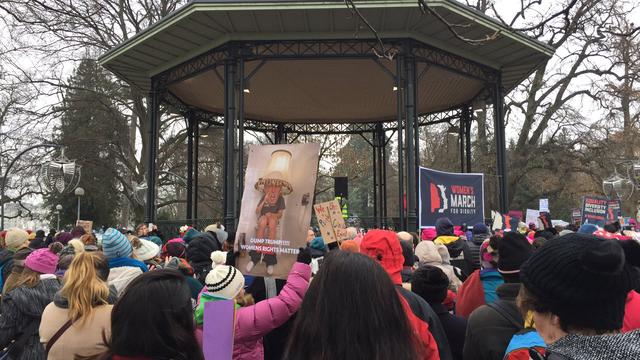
(449, 292)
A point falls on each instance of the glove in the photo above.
(304, 256)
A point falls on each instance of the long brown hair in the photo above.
(28, 278)
(83, 288)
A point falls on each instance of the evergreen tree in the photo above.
(92, 130)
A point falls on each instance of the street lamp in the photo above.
(58, 209)
(79, 193)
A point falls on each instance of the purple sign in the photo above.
(219, 326)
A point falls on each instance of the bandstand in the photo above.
(288, 68)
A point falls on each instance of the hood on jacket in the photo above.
(453, 243)
(384, 247)
(200, 248)
(444, 226)
(427, 253)
(444, 254)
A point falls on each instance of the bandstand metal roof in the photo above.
(313, 86)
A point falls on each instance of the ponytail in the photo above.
(83, 287)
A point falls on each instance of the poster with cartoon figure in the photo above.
(276, 207)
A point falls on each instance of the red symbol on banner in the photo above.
(435, 197)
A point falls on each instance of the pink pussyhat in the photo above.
(429, 234)
(42, 261)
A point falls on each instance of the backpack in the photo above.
(526, 344)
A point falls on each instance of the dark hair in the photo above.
(613, 227)
(539, 241)
(154, 318)
(352, 311)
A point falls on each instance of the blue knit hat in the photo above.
(587, 229)
(480, 229)
(317, 243)
(115, 244)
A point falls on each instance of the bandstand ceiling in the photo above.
(318, 90)
(322, 90)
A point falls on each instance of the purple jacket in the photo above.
(254, 322)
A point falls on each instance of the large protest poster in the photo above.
(276, 207)
(614, 211)
(330, 221)
(594, 210)
(460, 197)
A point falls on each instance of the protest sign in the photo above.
(87, 225)
(614, 211)
(543, 205)
(497, 222)
(276, 207)
(460, 197)
(219, 325)
(505, 222)
(576, 216)
(330, 221)
(532, 216)
(594, 210)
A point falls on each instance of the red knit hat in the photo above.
(384, 247)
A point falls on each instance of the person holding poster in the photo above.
(276, 207)
(252, 321)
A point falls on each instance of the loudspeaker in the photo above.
(341, 187)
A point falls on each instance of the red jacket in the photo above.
(470, 295)
(631, 319)
(426, 342)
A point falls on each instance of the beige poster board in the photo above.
(276, 207)
(330, 221)
(87, 225)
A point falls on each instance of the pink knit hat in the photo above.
(429, 234)
(42, 261)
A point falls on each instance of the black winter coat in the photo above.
(488, 331)
(474, 250)
(424, 312)
(6, 263)
(21, 307)
(454, 326)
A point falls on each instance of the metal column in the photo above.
(190, 135)
(466, 115)
(383, 178)
(153, 101)
(374, 161)
(501, 147)
(461, 139)
(411, 119)
(230, 68)
(241, 88)
(399, 99)
(196, 173)
(280, 136)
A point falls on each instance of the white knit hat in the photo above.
(15, 238)
(223, 280)
(147, 250)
